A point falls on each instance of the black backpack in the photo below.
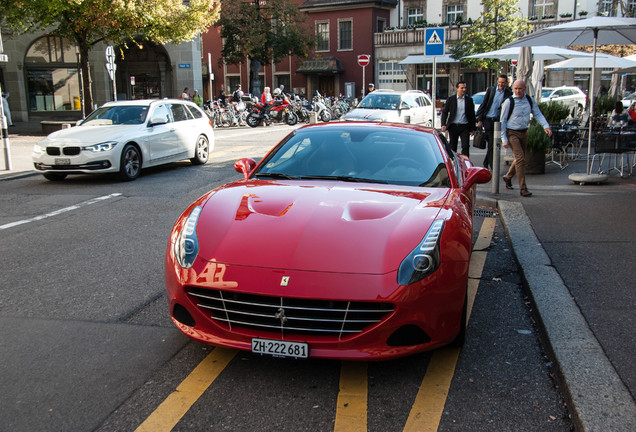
(236, 96)
(512, 104)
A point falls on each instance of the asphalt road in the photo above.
(87, 343)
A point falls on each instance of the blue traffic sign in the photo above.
(434, 40)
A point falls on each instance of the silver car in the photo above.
(411, 106)
(124, 137)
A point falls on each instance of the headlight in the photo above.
(105, 146)
(186, 248)
(38, 149)
(424, 259)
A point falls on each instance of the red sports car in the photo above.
(348, 240)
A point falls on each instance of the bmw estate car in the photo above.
(411, 106)
(124, 137)
(349, 240)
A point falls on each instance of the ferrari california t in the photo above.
(348, 240)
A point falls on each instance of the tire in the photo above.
(54, 176)
(253, 121)
(292, 118)
(325, 116)
(226, 119)
(201, 151)
(130, 163)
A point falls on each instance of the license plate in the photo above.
(62, 161)
(280, 348)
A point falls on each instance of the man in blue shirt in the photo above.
(488, 113)
(514, 131)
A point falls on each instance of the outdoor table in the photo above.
(616, 142)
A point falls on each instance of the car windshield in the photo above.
(117, 115)
(478, 98)
(546, 92)
(377, 100)
(359, 154)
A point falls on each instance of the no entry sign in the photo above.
(364, 59)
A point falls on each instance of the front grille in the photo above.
(285, 315)
(68, 151)
(71, 151)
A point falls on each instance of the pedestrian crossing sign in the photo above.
(434, 41)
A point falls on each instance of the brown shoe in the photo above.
(525, 193)
(508, 183)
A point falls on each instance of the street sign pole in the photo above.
(363, 79)
(3, 119)
(434, 41)
(363, 61)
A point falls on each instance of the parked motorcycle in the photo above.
(322, 112)
(275, 111)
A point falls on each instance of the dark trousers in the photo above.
(457, 131)
(489, 134)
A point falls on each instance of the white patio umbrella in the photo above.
(538, 53)
(524, 68)
(537, 78)
(604, 61)
(591, 31)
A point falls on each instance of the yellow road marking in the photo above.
(351, 409)
(427, 409)
(168, 414)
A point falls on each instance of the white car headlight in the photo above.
(424, 259)
(186, 247)
(39, 148)
(101, 147)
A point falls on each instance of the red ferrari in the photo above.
(347, 240)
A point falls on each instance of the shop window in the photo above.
(52, 75)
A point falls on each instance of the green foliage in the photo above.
(538, 140)
(499, 24)
(604, 105)
(554, 112)
(263, 32)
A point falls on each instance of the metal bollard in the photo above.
(5, 142)
(496, 158)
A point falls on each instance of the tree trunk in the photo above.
(86, 79)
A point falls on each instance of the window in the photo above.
(391, 75)
(161, 113)
(52, 75)
(414, 15)
(543, 8)
(322, 36)
(454, 13)
(345, 35)
(606, 8)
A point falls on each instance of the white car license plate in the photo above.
(280, 348)
(62, 161)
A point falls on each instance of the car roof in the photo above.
(400, 92)
(144, 102)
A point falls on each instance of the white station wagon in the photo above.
(124, 137)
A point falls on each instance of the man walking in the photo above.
(488, 113)
(515, 119)
(458, 116)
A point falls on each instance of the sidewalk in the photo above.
(576, 247)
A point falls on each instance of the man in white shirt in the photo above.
(458, 116)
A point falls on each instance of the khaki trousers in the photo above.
(519, 143)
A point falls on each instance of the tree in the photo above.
(89, 22)
(498, 25)
(263, 31)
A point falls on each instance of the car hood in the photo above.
(371, 114)
(87, 135)
(316, 226)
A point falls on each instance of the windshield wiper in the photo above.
(344, 178)
(275, 175)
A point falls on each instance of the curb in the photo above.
(597, 398)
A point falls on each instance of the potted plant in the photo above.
(538, 141)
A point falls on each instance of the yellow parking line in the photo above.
(351, 410)
(427, 409)
(168, 414)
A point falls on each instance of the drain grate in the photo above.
(484, 212)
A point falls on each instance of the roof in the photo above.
(330, 65)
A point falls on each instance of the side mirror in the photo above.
(245, 166)
(155, 121)
(475, 175)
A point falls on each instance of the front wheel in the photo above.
(201, 151)
(292, 118)
(325, 116)
(130, 163)
(252, 121)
